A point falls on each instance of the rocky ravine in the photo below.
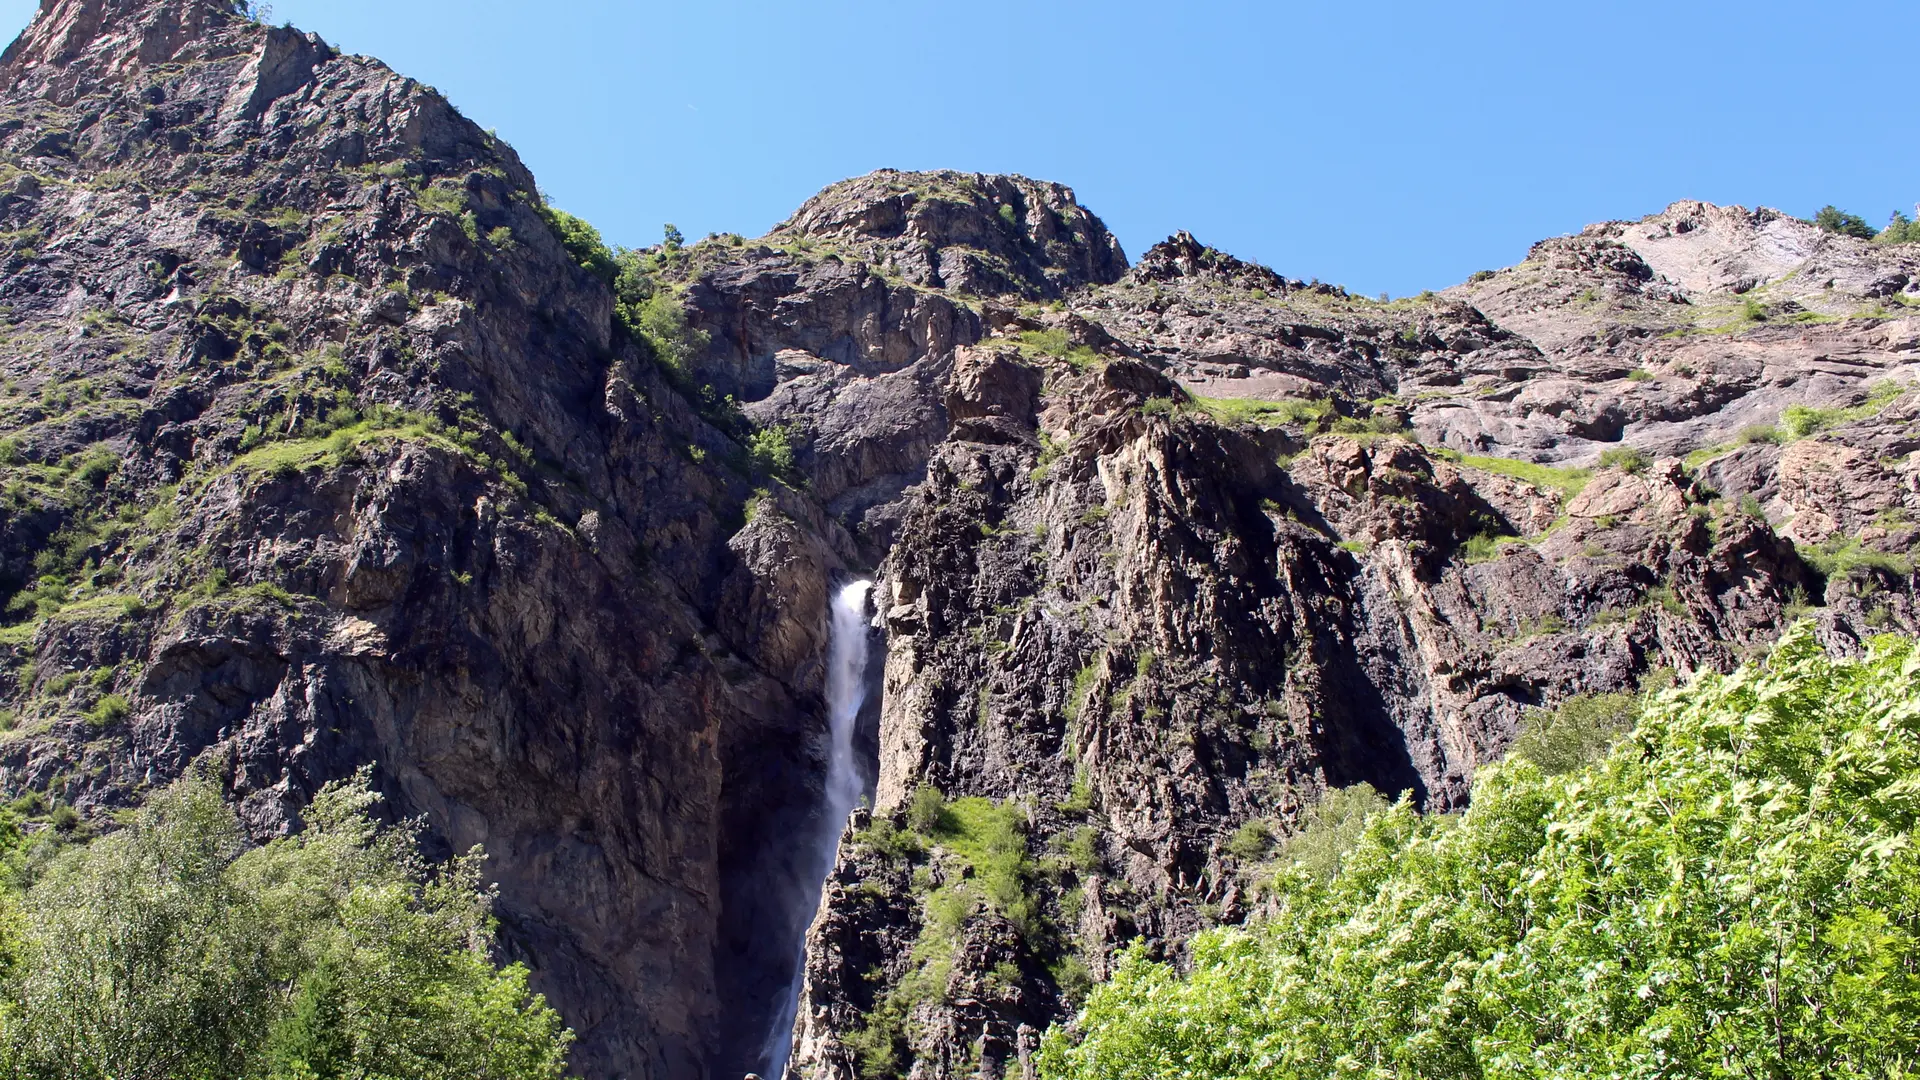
(322, 446)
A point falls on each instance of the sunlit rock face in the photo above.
(322, 449)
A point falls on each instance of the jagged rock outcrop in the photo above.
(985, 235)
(324, 446)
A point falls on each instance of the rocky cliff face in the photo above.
(326, 443)
(321, 449)
(1206, 541)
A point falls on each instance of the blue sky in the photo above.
(1385, 146)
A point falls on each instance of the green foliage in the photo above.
(1081, 848)
(1840, 555)
(445, 201)
(1483, 547)
(1479, 276)
(661, 321)
(1050, 452)
(1055, 343)
(1800, 421)
(927, 810)
(1625, 458)
(109, 710)
(1077, 696)
(1732, 891)
(1251, 841)
(892, 842)
(168, 949)
(1834, 220)
(582, 241)
(771, 451)
(1567, 481)
(991, 838)
(1328, 830)
(1576, 732)
(1900, 229)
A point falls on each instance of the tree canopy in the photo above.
(173, 949)
(1731, 891)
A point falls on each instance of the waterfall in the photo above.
(846, 692)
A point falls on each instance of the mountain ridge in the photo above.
(330, 443)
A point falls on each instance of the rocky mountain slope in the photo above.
(326, 442)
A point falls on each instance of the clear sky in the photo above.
(1388, 146)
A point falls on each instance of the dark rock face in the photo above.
(321, 449)
(374, 481)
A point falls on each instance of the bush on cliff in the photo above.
(1732, 891)
(1835, 220)
(169, 949)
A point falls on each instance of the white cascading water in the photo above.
(846, 692)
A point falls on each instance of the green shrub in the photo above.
(771, 451)
(1625, 458)
(169, 949)
(1482, 547)
(1250, 841)
(445, 201)
(1567, 481)
(1577, 731)
(1800, 421)
(927, 810)
(1732, 891)
(1900, 229)
(660, 320)
(1479, 276)
(582, 242)
(1080, 847)
(1329, 829)
(1840, 555)
(991, 838)
(110, 709)
(1834, 220)
(892, 843)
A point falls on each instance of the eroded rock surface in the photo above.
(323, 447)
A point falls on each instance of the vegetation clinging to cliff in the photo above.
(1732, 891)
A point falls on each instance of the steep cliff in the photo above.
(1207, 541)
(322, 449)
(327, 442)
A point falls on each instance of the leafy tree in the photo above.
(1900, 229)
(1732, 891)
(660, 320)
(170, 950)
(771, 451)
(1835, 220)
(1581, 729)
